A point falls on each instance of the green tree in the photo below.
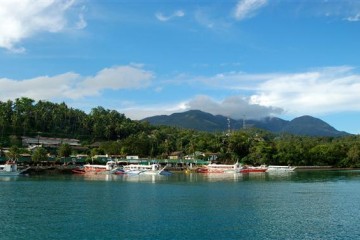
(261, 152)
(13, 154)
(39, 155)
(239, 144)
(64, 150)
(353, 156)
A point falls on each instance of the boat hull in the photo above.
(9, 174)
(246, 170)
(275, 169)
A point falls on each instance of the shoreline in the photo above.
(55, 170)
(317, 168)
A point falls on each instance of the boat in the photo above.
(118, 171)
(153, 169)
(96, 168)
(275, 168)
(252, 169)
(10, 169)
(220, 168)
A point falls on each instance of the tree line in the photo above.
(119, 135)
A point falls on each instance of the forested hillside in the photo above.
(202, 121)
(25, 117)
(119, 135)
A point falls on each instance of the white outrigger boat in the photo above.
(10, 169)
(275, 168)
(220, 168)
(136, 169)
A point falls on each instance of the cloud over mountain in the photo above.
(314, 91)
(235, 106)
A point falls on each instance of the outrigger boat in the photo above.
(136, 169)
(96, 168)
(10, 169)
(220, 168)
(251, 169)
(275, 168)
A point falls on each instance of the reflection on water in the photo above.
(7, 178)
(13, 178)
(297, 176)
(98, 177)
(124, 177)
(325, 176)
(214, 177)
(188, 177)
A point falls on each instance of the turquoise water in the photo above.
(301, 205)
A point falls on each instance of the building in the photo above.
(176, 155)
(32, 142)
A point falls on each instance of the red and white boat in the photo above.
(95, 168)
(251, 169)
(220, 168)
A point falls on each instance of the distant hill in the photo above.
(310, 126)
(202, 121)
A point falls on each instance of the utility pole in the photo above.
(244, 124)
(229, 126)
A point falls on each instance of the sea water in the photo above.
(299, 205)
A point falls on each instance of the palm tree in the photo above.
(40, 154)
(13, 153)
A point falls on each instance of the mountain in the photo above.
(202, 121)
(310, 126)
(193, 119)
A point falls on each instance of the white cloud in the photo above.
(115, 78)
(317, 91)
(234, 106)
(81, 23)
(247, 8)
(74, 86)
(21, 19)
(161, 17)
(355, 18)
(206, 18)
(139, 113)
(43, 87)
(320, 91)
(347, 10)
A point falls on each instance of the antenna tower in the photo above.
(228, 123)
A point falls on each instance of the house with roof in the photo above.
(31, 142)
(176, 155)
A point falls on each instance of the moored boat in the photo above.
(95, 168)
(251, 169)
(10, 169)
(220, 168)
(153, 169)
(118, 171)
(275, 168)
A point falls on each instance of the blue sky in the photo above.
(252, 58)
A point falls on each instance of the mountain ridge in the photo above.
(196, 119)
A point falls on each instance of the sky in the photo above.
(237, 58)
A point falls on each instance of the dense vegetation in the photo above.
(119, 135)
